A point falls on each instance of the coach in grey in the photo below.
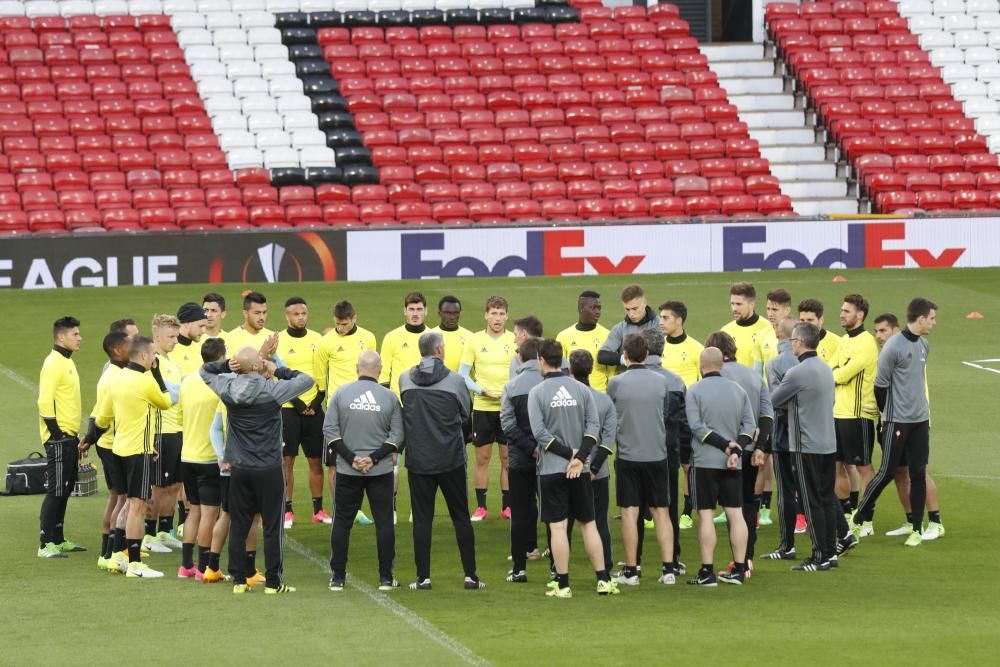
(760, 400)
(806, 393)
(783, 470)
(521, 459)
(722, 425)
(677, 433)
(642, 401)
(436, 404)
(363, 429)
(253, 448)
(564, 422)
(638, 317)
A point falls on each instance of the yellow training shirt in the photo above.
(572, 338)
(854, 367)
(133, 402)
(756, 343)
(299, 353)
(454, 346)
(336, 358)
(186, 355)
(59, 393)
(113, 370)
(489, 359)
(239, 338)
(197, 406)
(400, 352)
(171, 373)
(827, 348)
(682, 356)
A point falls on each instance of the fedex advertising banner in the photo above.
(672, 248)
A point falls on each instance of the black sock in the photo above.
(213, 560)
(187, 555)
(707, 569)
(394, 495)
(602, 575)
(182, 513)
(934, 517)
(252, 562)
(669, 568)
(133, 551)
(845, 505)
(202, 558)
(505, 496)
(317, 504)
(288, 506)
(854, 499)
(120, 544)
(909, 517)
(563, 580)
(688, 507)
(151, 526)
(481, 498)
(739, 567)
(105, 540)
(630, 571)
(166, 524)
(765, 498)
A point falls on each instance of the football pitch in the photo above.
(887, 604)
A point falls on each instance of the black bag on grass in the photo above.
(26, 476)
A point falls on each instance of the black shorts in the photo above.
(563, 498)
(167, 467)
(110, 470)
(61, 466)
(711, 487)
(224, 492)
(304, 430)
(137, 471)
(645, 484)
(486, 428)
(201, 483)
(855, 438)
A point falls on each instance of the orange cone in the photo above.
(839, 279)
(974, 315)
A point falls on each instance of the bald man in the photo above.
(253, 448)
(363, 429)
(722, 424)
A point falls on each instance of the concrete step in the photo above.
(804, 171)
(733, 51)
(801, 153)
(752, 85)
(825, 189)
(771, 119)
(736, 68)
(783, 135)
(821, 206)
(763, 102)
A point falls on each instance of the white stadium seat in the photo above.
(254, 104)
(942, 7)
(172, 7)
(202, 53)
(245, 68)
(308, 138)
(993, 91)
(956, 22)
(988, 72)
(249, 5)
(264, 121)
(229, 121)
(966, 38)
(913, 7)
(140, 7)
(922, 23)
(513, 4)
(272, 139)
(37, 8)
(206, 6)
(384, 5)
(350, 5)
(186, 38)
(412, 5)
(281, 5)
(230, 53)
(288, 103)
(980, 55)
(231, 140)
(317, 156)
(110, 7)
(258, 36)
(988, 125)
(275, 158)
(988, 22)
(944, 56)
(958, 72)
(219, 20)
(256, 19)
(980, 106)
(243, 88)
(221, 103)
(964, 90)
(936, 39)
(274, 68)
(982, 6)
(187, 21)
(215, 85)
(244, 158)
(206, 68)
(76, 8)
(300, 120)
(229, 36)
(286, 85)
(268, 52)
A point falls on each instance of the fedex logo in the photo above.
(421, 256)
(865, 249)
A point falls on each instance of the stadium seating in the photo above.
(185, 114)
(910, 138)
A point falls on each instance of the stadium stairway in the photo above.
(787, 133)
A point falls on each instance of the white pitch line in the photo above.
(962, 476)
(982, 368)
(18, 378)
(426, 628)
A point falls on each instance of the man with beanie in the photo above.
(186, 355)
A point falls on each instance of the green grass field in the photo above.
(934, 604)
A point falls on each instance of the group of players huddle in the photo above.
(762, 395)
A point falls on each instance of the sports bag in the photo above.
(26, 476)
